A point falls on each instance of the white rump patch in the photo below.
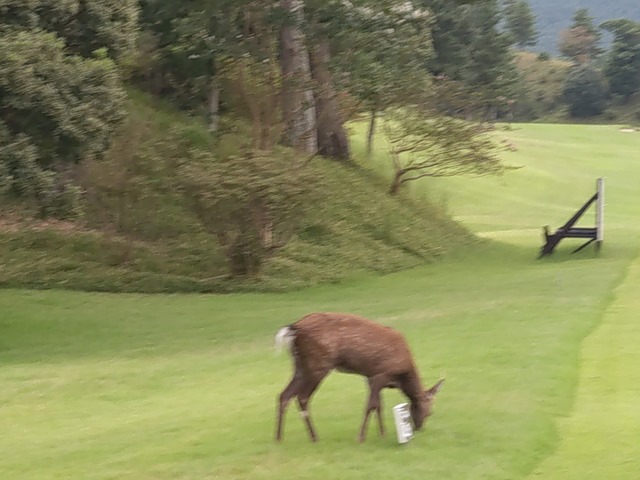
(283, 338)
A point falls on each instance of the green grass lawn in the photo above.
(600, 438)
(98, 386)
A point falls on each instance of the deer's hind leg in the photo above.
(379, 414)
(290, 391)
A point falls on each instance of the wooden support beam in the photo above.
(594, 234)
(579, 213)
(584, 245)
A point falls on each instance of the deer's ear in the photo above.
(436, 388)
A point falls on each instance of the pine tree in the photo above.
(520, 23)
(585, 92)
(450, 34)
(623, 65)
(582, 19)
(490, 71)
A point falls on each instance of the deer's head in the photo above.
(422, 408)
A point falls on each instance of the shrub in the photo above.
(84, 25)
(57, 110)
(250, 200)
(585, 92)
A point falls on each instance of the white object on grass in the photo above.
(600, 210)
(402, 419)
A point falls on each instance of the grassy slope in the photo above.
(356, 229)
(96, 386)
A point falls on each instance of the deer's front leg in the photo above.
(375, 385)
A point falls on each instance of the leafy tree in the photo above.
(623, 63)
(540, 85)
(55, 109)
(580, 43)
(122, 189)
(333, 27)
(520, 23)
(387, 67)
(108, 24)
(250, 201)
(180, 47)
(85, 25)
(585, 92)
(203, 46)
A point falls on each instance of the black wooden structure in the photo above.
(591, 234)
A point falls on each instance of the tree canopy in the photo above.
(281, 80)
(521, 23)
(623, 65)
(64, 111)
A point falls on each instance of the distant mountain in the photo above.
(555, 15)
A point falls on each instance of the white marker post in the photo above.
(402, 419)
(600, 212)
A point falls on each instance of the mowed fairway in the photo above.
(96, 386)
(600, 438)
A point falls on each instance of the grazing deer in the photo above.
(321, 342)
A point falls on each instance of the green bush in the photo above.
(539, 87)
(251, 201)
(57, 111)
(85, 25)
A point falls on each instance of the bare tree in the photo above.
(427, 144)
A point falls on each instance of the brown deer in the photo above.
(321, 342)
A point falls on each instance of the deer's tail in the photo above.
(284, 337)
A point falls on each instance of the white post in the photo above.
(600, 210)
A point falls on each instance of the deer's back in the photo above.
(351, 344)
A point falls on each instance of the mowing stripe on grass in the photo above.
(600, 438)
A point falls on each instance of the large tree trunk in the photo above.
(332, 137)
(298, 102)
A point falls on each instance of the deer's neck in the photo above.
(412, 386)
